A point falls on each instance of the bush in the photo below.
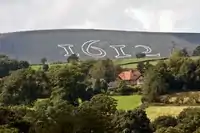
(197, 131)
(188, 114)
(165, 121)
(125, 89)
(189, 120)
(45, 67)
(140, 55)
(169, 130)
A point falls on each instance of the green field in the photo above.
(133, 101)
(128, 102)
(124, 63)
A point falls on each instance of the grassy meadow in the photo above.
(124, 63)
(128, 102)
(133, 101)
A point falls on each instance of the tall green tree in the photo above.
(72, 58)
(104, 69)
(196, 51)
(154, 85)
(134, 121)
(72, 81)
(24, 86)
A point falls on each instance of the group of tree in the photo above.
(98, 115)
(177, 74)
(188, 121)
(72, 98)
(7, 65)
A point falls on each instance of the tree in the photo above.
(72, 81)
(154, 85)
(179, 53)
(7, 65)
(104, 69)
(196, 51)
(43, 60)
(164, 121)
(100, 110)
(50, 116)
(185, 52)
(5, 129)
(100, 86)
(140, 55)
(24, 86)
(72, 58)
(141, 67)
(45, 67)
(189, 120)
(169, 130)
(135, 121)
(186, 74)
(12, 120)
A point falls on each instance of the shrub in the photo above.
(188, 114)
(189, 120)
(169, 130)
(197, 131)
(45, 67)
(164, 121)
(140, 55)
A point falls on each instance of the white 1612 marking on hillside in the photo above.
(67, 48)
(120, 52)
(148, 51)
(88, 45)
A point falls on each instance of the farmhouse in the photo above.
(132, 76)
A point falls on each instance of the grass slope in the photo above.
(133, 101)
(124, 63)
(128, 102)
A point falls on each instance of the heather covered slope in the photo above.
(33, 45)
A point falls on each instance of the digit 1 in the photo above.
(119, 50)
(67, 48)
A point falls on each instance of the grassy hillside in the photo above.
(124, 63)
(128, 102)
(133, 101)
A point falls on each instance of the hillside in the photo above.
(56, 45)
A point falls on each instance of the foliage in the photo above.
(169, 130)
(124, 89)
(154, 85)
(104, 69)
(165, 121)
(143, 66)
(72, 58)
(72, 81)
(196, 52)
(65, 99)
(43, 60)
(24, 86)
(179, 73)
(140, 55)
(45, 67)
(7, 65)
(132, 121)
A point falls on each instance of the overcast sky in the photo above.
(140, 15)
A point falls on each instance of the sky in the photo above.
(129, 15)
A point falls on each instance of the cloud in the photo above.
(140, 15)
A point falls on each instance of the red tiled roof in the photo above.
(130, 75)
